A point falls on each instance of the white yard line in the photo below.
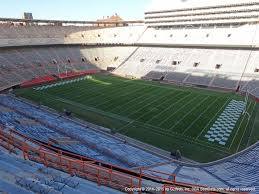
(187, 138)
(94, 89)
(93, 98)
(249, 139)
(168, 99)
(148, 104)
(213, 118)
(122, 94)
(239, 127)
(131, 121)
(176, 102)
(140, 102)
(211, 105)
(189, 102)
(245, 128)
(188, 113)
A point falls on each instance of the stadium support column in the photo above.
(140, 180)
(58, 69)
(250, 54)
(248, 93)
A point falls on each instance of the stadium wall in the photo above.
(226, 36)
(50, 35)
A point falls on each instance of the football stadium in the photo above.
(168, 103)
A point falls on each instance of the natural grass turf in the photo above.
(165, 116)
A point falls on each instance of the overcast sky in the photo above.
(74, 9)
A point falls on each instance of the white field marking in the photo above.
(158, 130)
(249, 140)
(179, 136)
(134, 87)
(119, 130)
(161, 104)
(98, 90)
(188, 138)
(197, 118)
(132, 120)
(62, 83)
(140, 96)
(95, 110)
(244, 116)
(168, 99)
(95, 89)
(213, 118)
(189, 102)
(214, 145)
(201, 115)
(155, 128)
(131, 123)
(121, 94)
(240, 124)
(245, 128)
(60, 86)
(155, 100)
(188, 113)
(134, 99)
(68, 91)
(108, 98)
(140, 102)
(176, 102)
(148, 104)
(101, 93)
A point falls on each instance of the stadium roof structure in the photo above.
(69, 22)
(168, 5)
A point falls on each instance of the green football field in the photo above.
(166, 116)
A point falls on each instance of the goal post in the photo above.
(247, 95)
